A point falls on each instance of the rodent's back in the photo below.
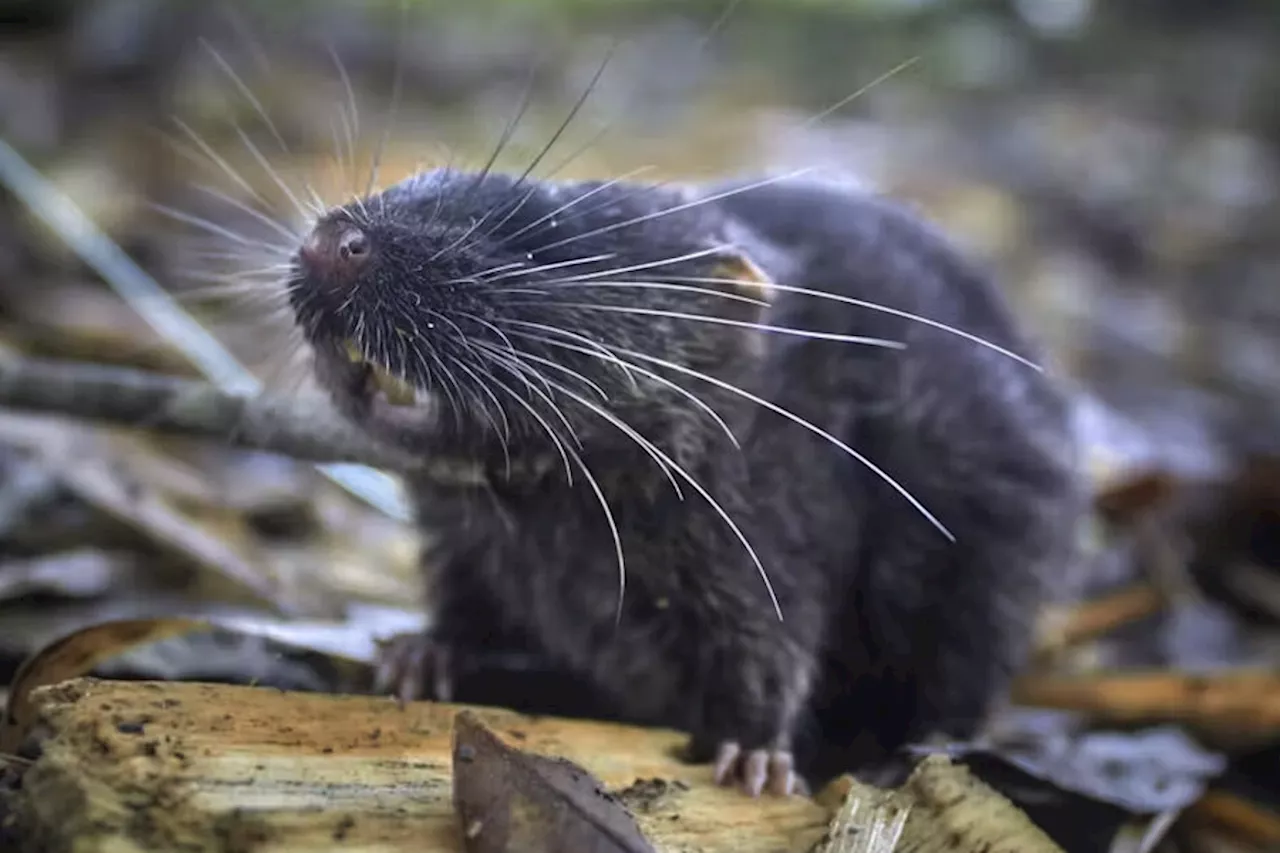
(981, 439)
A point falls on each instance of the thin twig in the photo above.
(307, 429)
(157, 308)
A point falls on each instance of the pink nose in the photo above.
(335, 251)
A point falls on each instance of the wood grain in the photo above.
(139, 766)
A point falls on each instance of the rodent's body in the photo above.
(890, 631)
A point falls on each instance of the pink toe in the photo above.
(756, 772)
(726, 760)
(782, 779)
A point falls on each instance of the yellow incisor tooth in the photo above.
(353, 351)
(397, 391)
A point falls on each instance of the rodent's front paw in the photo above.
(758, 770)
(414, 666)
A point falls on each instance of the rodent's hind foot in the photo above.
(758, 770)
(414, 666)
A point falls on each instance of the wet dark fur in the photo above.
(891, 632)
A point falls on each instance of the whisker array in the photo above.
(760, 401)
(670, 465)
(723, 321)
(630, 368)
(467, 377)
(875, 306)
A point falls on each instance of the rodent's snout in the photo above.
(335, 251)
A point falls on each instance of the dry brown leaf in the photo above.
(510, 801)
(75, 655)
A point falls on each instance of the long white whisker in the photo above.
(579, 199)
(314, 202)
(476, 352)
(514, 265)
(218, 230)
(220, 161)
(723, 321)
(245, 92)
(577, 107)
(546, 426)
(460, 240)
(643, 371)
(480, 321)
(794, 418)
(644, 443)
(626, 101)
(251, 211)
(670, 465)
(271, 273)
(224, 289)
(541, 268)
(514, 364)
(508, 131)
(600, 497)
(613, 530)
(636, 190)
(648, 217)
(349, 115)
(892, 72)
(283, 265)
(504, 432)
(524, 354)
(337, 131)
(872, 306)
(555, 137)
(565, 283)
(691, 256)
(271, 172)
(446, 377)
(625, 367)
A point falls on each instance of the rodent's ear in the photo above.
(738, 271)
(744, 274)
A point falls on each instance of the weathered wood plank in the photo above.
(133, 766)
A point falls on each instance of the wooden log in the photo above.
(140, 766)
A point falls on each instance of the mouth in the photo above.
(391, 388)
(374, 396)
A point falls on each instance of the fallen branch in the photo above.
(303, 428)
(1089, 620)
(1248, 821)
(1245, 702)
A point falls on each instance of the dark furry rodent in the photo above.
(492, 297)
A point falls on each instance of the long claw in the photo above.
(755, 772)
(409, 663)
(726, 762)
(758, 770)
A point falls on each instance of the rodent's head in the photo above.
(460, 315)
